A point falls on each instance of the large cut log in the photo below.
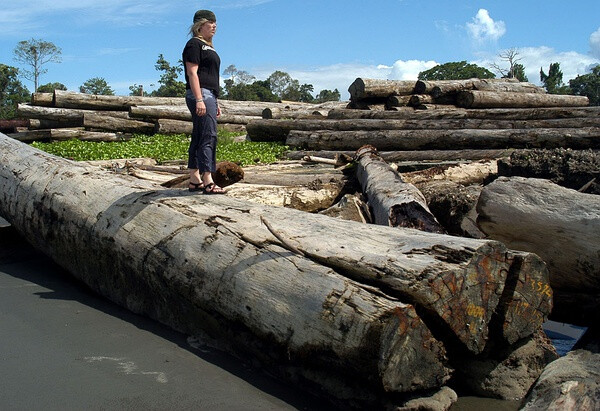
(97, 121)
(540, 113)
(576, 138)
(66, 115)
(363, 88)
(72, 99)
(168, 126)
(412, 156)
(278, 130)
(558, 224)
(453, 86)
(271, 113)
(492, 99)
(67, 134)
(507, 86)
(42, 99)
(266, 269)
(162, 112)
(393, 201)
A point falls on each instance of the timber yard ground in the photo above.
(65, 348)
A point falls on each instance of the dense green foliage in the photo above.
(553, 81)
(588, 85)
(12, 92)
(458, 70)
(164, 148)
(170, 86)
(98, 86)
(50, 87)
(35, 53)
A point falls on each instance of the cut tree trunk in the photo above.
(99, 122)
(492, 99)
(266, 270)
(412, 156)
(394, 202)
(62, 114)
(161, 112)
(167, 126)
(540, 113)
(558, 224)
(453, 86)
(42, 99)
(71, 99)
(369, 88)
(67, 134)
(576, 138)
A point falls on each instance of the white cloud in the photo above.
(410, 69)
(533, 59)
(485, 28)
(595, 43)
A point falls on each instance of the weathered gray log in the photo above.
(71, 99)
(493, 113)
(67, 115)
(415, 155)
(278, 129)
(42, 99)
(394, 202)
(558, 224)
(571, 382)
(492, 99)
(161, 112)
(273, 113)
(453, 86)
(508, 86)
(168, 126)
(363, 88)
(385, 140)
(59, 134)
(97, 121)
(132, 245)
(398, 101)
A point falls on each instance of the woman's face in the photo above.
(208, 29)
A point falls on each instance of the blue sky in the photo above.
(326, 43)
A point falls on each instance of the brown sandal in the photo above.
(212, 188)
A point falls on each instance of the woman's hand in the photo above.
(200, 108)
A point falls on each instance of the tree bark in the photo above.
(71, 99)
(385, 140)
(369, 88)
(453, 86)
(491, 99)
(492, 113)
(558, 224)
(130, 241)
(108, 123)
(413, 156)
(167, 126)
(42, 99)
(161, 112)
(67, 134)
(394, 202)
(66, 115)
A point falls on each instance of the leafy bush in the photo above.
(164, 148)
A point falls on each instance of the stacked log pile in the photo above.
(373, 315)
(64, 115)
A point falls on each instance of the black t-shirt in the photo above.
(198, 52)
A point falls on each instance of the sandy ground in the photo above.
(64, 348)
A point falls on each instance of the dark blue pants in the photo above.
(202, 154)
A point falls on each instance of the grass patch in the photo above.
(165, 148)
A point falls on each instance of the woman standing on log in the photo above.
(202, 65)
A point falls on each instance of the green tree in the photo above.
(12, 92)
(519, 72)
(588, 85)
(96, 85)
(35, 53)
(50, 87)
(137, 90)
(455, 71)
(553, 81)
(170, 86)
(328, 95)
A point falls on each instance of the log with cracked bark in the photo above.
(491, 99)
(385, 140)
(363, 88)
(558, 224)
(393, 201)
(263, 278)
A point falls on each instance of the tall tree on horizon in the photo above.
(35, 53)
